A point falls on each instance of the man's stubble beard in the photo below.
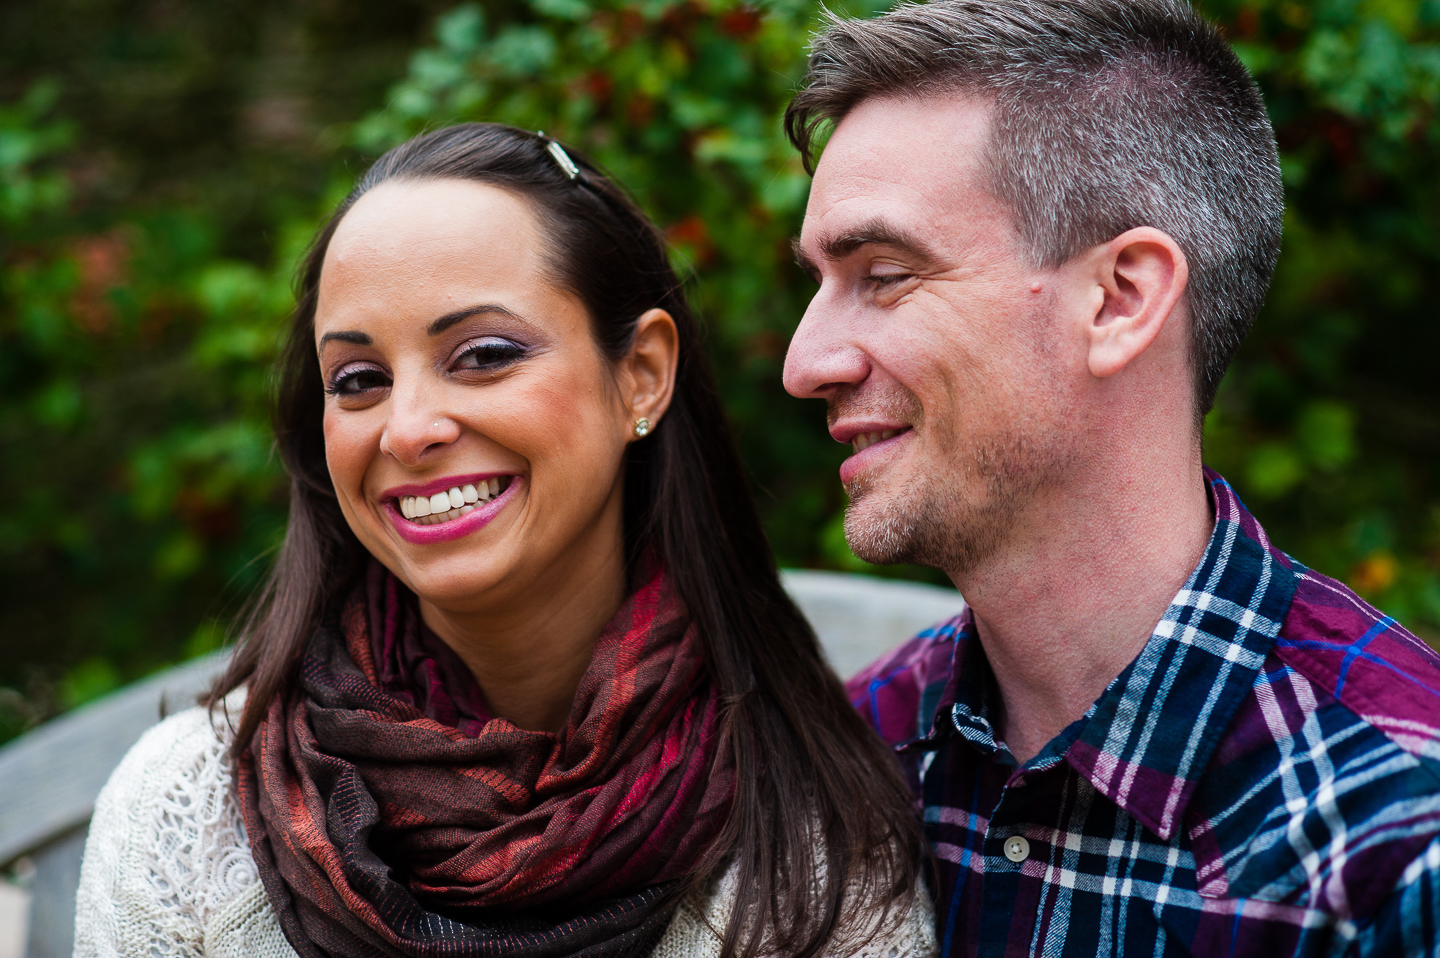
(956, 519)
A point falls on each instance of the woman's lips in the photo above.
(448, 504)
(470, 516)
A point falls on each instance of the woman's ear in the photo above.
(1142, 274)
(647, 373)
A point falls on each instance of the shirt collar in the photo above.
(1147, 739)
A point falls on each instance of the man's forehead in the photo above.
(902, 134)
(894, 167)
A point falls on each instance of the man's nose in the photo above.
(418, 424)
(823, 353)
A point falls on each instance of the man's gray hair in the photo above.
(1107, 115)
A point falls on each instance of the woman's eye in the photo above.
(353, 382)
(489, 354)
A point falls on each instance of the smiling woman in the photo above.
(524, 680)
(427, 402)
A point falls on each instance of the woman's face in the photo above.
(473, 429)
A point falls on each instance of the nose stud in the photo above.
(642, 427)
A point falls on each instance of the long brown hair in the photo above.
(821, 814)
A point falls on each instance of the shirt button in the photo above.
(1017, 849)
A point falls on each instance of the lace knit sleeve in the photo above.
(696, 930)
(166, 851)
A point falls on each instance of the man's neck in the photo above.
(1076, 592)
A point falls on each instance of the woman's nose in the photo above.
(415, 427)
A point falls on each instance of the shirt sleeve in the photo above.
(1409, 922)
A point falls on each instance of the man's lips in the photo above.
(865, 440)
(861, 433)
(868, 445)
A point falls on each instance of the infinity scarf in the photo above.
(389, 814)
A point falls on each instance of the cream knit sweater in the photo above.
(168, 871)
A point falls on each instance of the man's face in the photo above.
(931, 338)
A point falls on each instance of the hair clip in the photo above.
(563, 158)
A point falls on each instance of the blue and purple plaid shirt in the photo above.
(1263, 779)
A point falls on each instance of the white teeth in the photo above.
(868, 439)
(450, 504)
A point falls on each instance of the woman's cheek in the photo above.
(348, 451)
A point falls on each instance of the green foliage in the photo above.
(26, 139)
(138, 474)
(140, 493)
(1329, 421)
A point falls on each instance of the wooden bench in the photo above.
(50, 777)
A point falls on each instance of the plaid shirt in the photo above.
(1263, 779)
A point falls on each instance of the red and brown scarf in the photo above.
(390, 814)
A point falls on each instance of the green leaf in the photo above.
(180, 556)
(1273, 471)
(523, 51)
(460, 30)
(1326, 432)
(88, 681)
(562, 9)
(60, 404)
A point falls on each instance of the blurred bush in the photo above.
(140, 493)
(1329, 422)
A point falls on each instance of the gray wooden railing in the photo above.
(49, 778)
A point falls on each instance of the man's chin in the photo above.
(919, 529)
(875, 533)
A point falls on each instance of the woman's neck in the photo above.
(529, 650)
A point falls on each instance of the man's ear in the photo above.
(646, 375)
(1142, 275)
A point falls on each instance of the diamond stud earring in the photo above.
(642, 427)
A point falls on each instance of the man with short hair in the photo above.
(1041, 229)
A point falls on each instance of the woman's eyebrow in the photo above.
(346, 336)
(450, 319)
(435, 328)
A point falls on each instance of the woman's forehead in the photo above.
(398, 217)
(422, 243)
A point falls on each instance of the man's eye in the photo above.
(490, 354)
(353, 382)
(886, 279)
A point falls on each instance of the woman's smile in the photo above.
(458, 507)
(452, 501)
